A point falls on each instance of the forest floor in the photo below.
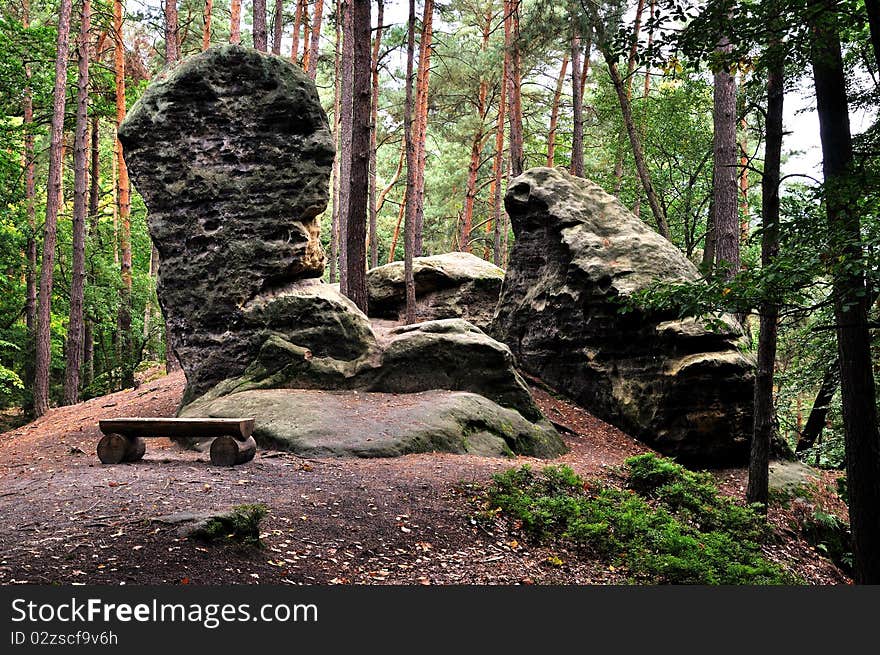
(67, 519)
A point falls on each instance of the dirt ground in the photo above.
(67, 519)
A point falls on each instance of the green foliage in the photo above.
(831, 536)
(670, 526)
(241, 525)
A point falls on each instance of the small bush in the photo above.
(670, 526)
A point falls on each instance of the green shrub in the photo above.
(670, 526)
(241, 525)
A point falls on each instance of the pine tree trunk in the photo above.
(396, 236)
(88, 365)
(636, 144)
(872, 7)
(50, 229)
(337, 106)
(172, 32)
(234, 21)
(260, 35)
(725, 187)
(511, 45)
(585, 69)
(498, 166)
(149, 308)
(819, 412)
(356, 217)
(554, 114)
(421, 120)
(30, 302)
(374, 115)
(277, 26)
(577, 139)
(306, 35)
(708, 262)
(206, 31)
(764, 414)
(94, 177)
(857, 386)
(297, 26)
(477, 142)
(345, 138)
(124, 204)
(80, 189)
(410, 205)
(630, 71)
(315, 48)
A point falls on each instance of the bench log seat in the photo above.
(123, 439)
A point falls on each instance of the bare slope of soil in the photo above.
(65, 518)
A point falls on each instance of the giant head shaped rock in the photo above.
(232, 153)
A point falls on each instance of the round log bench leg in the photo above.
(226, 451)
(116, 448)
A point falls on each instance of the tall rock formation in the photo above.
(675, 383)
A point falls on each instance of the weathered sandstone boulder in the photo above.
(232, 152)
(450, 355)
(358, 424)
(451, 285)
(674, 383)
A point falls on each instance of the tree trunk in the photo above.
(80, 184)
(94, 177)
(511, 45)
(260, 36)
(30, 302)
(88, 365)
(337, 106)
(725, 191)
(356, 217)
(630, 71)
(636, 144)
(297, 25)
(124, 203)
(374, 115)
(315, 47)
(637, 206)
(498, 166)
(234, 21)
(554, 114)
(577, 139)
(149, 309)
(873, 9)
(819, 411)
(345, 138)
(857, 387)
(206, 31)
(50, 229)
(410, 206)
(396, 235)
(764, 414)
(708, 262)
(172, 32)
(476, 150)
(307, 35)
(383, 194)
(277, 26)
(422, 83)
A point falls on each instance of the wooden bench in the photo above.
(123, 439)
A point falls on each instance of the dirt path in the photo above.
(65, 518)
